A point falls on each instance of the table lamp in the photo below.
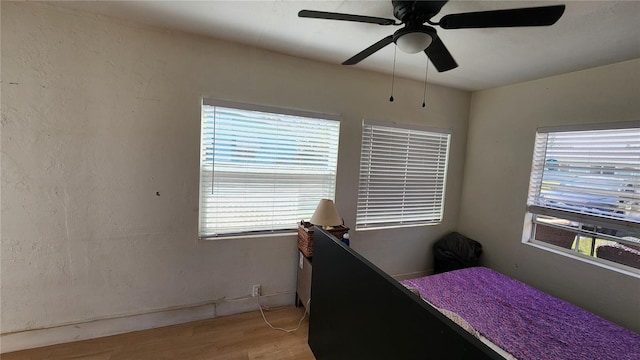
(326, 215)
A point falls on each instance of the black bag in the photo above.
(455, 251)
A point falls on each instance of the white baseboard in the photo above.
(105, 327)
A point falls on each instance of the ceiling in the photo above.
(589, 34)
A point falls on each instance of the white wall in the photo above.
(98, 115)
(501, 134)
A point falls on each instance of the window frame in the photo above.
(203, 234)
(582, 222)
(366, 213)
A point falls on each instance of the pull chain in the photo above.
(424, 96)
(393, 72)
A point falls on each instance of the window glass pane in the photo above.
(619, 246)
(402, 176)
(262, 171)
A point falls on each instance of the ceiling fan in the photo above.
(415, 36)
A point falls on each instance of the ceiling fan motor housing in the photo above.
(416, 11)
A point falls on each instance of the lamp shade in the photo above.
(326, 214)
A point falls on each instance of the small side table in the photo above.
(303, 288)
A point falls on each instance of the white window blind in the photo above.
(402, 176)
(592, 174)
(263, 171)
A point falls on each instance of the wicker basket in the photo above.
(305, 236)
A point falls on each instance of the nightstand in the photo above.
(303, 288)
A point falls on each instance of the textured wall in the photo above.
(502, 128)
(98, 115)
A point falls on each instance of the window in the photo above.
(262, 170)
(584, 193)
(402, 176)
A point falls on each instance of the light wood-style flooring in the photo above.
(242, 336)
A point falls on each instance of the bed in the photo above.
(359, 312)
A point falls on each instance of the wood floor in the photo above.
(243, 336)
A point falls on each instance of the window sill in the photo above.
(248, 236)
(386, 227)
(588, 259)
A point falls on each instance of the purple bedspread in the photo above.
(527, 323)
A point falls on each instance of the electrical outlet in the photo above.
(256, 290)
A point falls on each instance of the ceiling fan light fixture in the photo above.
(413, 42)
